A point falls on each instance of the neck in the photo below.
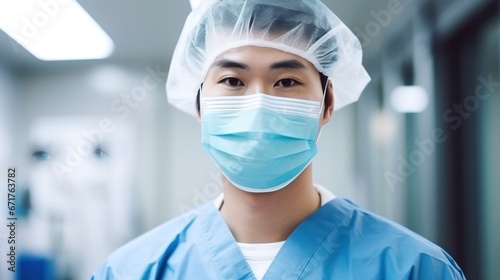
(269, 217)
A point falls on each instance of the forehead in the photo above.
(258, 57)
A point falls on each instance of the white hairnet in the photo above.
(306, 28)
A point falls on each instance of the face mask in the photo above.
(260, 143)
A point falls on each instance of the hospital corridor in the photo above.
(93, 154)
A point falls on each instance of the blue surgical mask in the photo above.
(261, 143)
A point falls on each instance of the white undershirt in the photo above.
(259, 256)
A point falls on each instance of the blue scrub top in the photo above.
(338, 241)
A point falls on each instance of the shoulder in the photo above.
(394, 247)
(144, 255)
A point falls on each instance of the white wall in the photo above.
(75, 94)
(194, 178)
(6, 118)
(335, 165)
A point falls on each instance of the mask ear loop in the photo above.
(320, 117)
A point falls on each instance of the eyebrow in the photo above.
(288, 64)
(285, 64)
(226, 63)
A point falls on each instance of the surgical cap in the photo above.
(306, 28)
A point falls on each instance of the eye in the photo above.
(232, 82)
(41, 155)
(100, 153)
(285, 83)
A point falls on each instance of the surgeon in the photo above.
(263, 77)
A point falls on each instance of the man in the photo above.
(263, 77)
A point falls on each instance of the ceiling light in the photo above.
(409, 99)
(54, 29)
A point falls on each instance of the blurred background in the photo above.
(100, 156)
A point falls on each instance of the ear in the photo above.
(198, 104)
(329, 102)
